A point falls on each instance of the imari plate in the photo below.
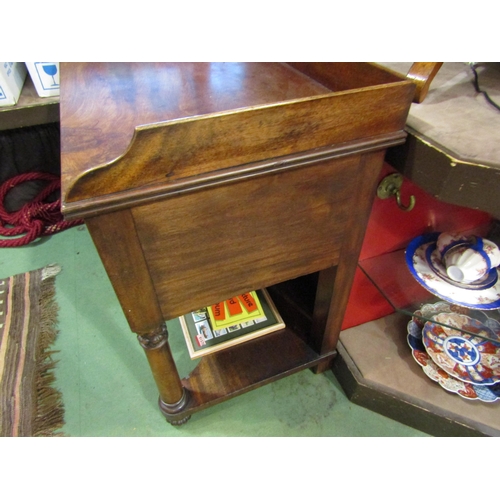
(487, 394)
(470, 358)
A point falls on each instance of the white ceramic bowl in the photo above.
(446, 241)
(465, 265)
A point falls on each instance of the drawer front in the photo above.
(207, 245)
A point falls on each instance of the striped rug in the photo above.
(29, 405)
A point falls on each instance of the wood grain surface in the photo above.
(127, 126)
(203, 181)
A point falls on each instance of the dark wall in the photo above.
(29, 149)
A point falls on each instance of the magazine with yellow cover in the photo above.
(203, 336)
(244, 307)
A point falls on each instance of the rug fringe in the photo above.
(50, 409)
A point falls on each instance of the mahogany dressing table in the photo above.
(201, 181)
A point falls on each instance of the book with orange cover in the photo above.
(231, 322)
(237, 310)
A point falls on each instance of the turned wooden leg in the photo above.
(173, 396)
(116, 240)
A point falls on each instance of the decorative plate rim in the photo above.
(421, 241)
(474, 389)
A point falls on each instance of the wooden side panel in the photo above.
(185, 148)
(206, 246)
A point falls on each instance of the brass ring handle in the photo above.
(401, 206)
(390, 186)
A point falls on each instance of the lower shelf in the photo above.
(231, 372)
(376, 369)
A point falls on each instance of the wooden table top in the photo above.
(102, 103)
(129, 126)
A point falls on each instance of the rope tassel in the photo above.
(36, 218)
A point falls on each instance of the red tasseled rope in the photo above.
(35, 218)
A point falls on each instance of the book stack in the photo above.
(233, 321)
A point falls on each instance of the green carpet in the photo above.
(107, 386)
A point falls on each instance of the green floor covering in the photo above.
(108, 389)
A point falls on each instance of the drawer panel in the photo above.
(207, 245)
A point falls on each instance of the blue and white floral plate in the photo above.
(419, 266)
(484, 393)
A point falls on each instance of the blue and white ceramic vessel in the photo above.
(419, 264)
